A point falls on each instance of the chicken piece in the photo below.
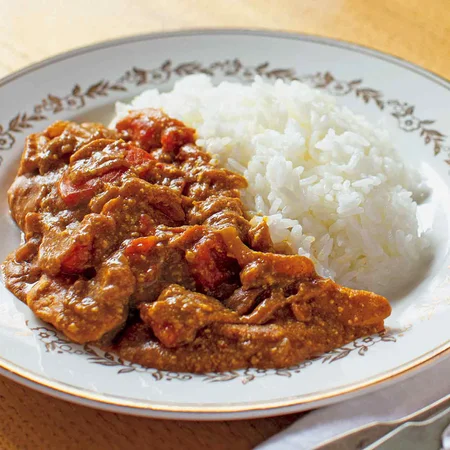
(179, 314)
(203, 210)
(74, 249)
(156, 264)
(259, 238)
(351, 307)
(166, 175)
(211, 179)
(137, 199)
(21, 270)
(51, 148)
(190, 157)
(28, 193)
(220, 212)
(85, 310)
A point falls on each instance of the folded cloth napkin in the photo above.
(390, 403)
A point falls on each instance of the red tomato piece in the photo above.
(74, 194)
(136, 156)
(210, 264)
(77, 259)
(146, 128)
(141, 245)
(173, 138)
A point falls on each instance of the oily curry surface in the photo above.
(136, 241)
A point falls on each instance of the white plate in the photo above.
(85, 84)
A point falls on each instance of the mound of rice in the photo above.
(326, 180)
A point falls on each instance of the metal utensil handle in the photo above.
(368, 434)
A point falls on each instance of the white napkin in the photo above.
(446, 439)
(390, 403)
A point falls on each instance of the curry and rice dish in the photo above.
(134, 239)
(212, 228)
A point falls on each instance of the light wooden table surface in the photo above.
(418, 31)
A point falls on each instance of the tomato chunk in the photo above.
(209, 263)
(76, 260)
(151, 128)
(141, 245)
(75, 193)
(136, 156)
(173, 138)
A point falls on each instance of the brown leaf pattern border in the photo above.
(167, 71)
(55, 343)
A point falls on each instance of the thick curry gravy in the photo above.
(134, 240)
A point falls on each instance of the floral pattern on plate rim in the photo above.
(54, 342)
(78, 98)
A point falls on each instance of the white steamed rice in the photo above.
(326, 180)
